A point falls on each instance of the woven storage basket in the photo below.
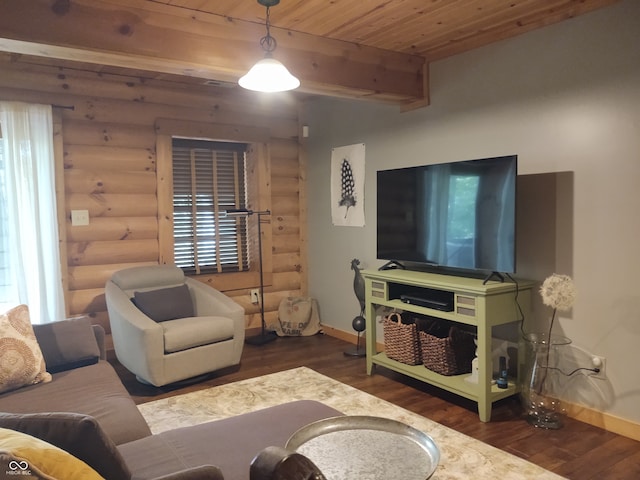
(451, 355)
(401, 341)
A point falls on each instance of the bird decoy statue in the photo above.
(358, 283)
(359, 322)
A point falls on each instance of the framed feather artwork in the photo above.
(347, 185)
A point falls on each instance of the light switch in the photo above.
(79, 218)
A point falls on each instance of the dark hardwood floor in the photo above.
(577, 451)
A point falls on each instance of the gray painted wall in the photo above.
(566, 99)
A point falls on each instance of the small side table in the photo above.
(366, 448)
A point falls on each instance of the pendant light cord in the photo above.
(268, 43)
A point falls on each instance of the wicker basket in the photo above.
(451, 355)
(401, 342)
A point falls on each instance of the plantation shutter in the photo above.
(208, 179)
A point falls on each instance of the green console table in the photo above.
(469, 302)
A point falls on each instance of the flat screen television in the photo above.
(458, 215)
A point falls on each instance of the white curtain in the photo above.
(30, 254)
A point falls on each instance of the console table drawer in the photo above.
(466, 305)
(379, 290)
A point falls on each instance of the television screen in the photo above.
(458, 215)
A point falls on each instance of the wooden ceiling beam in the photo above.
(172, 40)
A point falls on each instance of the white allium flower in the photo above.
(558, 292)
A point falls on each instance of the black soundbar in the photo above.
(428, 303)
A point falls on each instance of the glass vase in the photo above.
(542, 381)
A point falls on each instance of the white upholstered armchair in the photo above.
(167, 327)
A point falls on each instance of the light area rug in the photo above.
(462, 457)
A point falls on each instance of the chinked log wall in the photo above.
(110, 169)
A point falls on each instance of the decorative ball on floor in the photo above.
(359, 324)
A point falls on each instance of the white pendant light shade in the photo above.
(269, 75)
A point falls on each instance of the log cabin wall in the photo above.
(108, 142)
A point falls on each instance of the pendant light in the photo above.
(269, 75)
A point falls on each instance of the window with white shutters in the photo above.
(209, 178)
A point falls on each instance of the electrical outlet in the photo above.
(599, 362)
(79, 218)
(255, 296)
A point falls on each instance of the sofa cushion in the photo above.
(192, 332)
(165, 303)
(26, 453)
(68, 344)
(230, 444)
(21, 360)
(77, 434)
(94, 390)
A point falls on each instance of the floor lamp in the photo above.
(264, 336)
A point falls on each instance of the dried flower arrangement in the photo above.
(559, 293)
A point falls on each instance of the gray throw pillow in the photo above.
(67, 344)
(165, 303)
(75, 433)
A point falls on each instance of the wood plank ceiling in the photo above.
(376, 49)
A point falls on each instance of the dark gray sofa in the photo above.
(86, 411)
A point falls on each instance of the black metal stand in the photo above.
(392, 265)
(264, 336)
(498, 275)
(359, 325)
(261, 338)
(355, 351)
